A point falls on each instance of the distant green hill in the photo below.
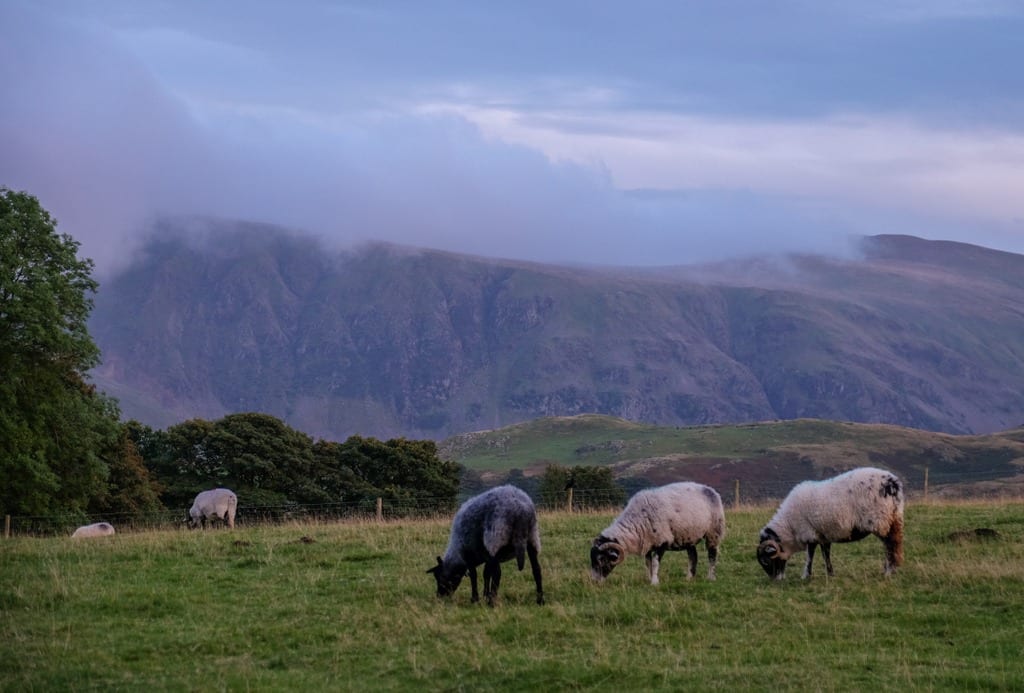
(766, 458)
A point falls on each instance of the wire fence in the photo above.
(734, 492)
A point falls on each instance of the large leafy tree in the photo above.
(58, 436)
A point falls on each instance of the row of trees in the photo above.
(270, 464)
(65, 451)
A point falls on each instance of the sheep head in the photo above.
(772, 557)
(448, 577)
(605, 554)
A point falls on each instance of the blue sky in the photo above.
(582, 132)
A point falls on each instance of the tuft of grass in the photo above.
(351, 608)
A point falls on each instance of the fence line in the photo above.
(754, 491)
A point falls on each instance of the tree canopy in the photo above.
(53, 425)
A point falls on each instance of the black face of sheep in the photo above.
(769, 555)
(448, 578)
(604, 556)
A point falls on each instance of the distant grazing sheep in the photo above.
(99, 529)
(217, 504)
(668, 518)
(490, 528)
(845, 508)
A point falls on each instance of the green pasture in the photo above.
(348, 607)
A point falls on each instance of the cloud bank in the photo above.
(609, 142)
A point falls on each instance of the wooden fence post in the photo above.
(737, 497)
(568, 500)
(926, 483)
(380, 509)
(7, 526)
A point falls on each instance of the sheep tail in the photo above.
(520, 556)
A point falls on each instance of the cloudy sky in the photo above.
(585, 131)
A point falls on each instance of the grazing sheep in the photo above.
(845, 508)
(216, 504)
(99, 529)
(668, 518)
(490, 528)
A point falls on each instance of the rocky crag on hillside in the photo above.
(388, 341)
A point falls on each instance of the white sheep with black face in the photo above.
(495, 526)
(97, 529)
(675, 517)
(217, 504)
(844, 508)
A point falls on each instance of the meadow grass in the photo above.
(257, 608)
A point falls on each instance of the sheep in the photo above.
(490, 528)
(844, 508)
(216, 504)
(668, 518)
(98, 529)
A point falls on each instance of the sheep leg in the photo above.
(653, 559)
(472, 584)
(691, 554)
(492, 578)
(810, 561)
(826, 551)
(712, 560)
(531, 551)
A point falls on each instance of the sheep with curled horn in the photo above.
(493, 527)
(675, 517)
(844, 508)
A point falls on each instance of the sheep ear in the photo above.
(771, 549)
(436, 567)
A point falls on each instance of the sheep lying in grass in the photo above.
(490, 528)
(98, 529)
(218, 504)
(669, 518)
(845, 508)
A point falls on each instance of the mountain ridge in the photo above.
(391, 341)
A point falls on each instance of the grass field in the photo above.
(257, 608)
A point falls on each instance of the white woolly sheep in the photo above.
(98, 529)
(490, 528)
(845, 508)
(218, 504)
(668, 518)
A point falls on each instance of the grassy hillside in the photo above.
(767, 458)
(350, 608)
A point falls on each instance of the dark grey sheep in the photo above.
(490, 528)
